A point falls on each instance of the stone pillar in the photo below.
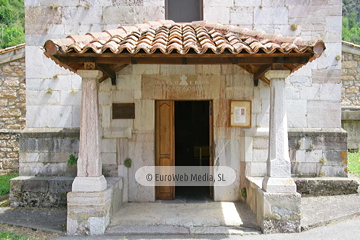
(278, 202)
(89, 166)
(278, 178)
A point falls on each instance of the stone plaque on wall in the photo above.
(181, 86)
(123, 110)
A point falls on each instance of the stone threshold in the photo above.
(181, 230)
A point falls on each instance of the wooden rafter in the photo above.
(260, 73)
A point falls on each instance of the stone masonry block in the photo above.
(42, 98)
(68, 98)
(313, 156)
(326, 76)
(105, 116)
(178, 69)
(241, 15)
(42, 15)
(139, 69)
(100, 3)
(144, 115)
(38, 66)
(271, 15)
(108, 158)
(218, 3)
(262, 120)
(328, 58)
(279, 212)
(260, 155)
(140, 14)
(121, 123)
(105, 98)
(296, 112)
(325, 10)
(128, 82)
(123, 96)
(92, 15)
(334, 23)
(49, 116)
(260, 143)
(273, 3)
(108, 145)
(253, 3)
(304, 169)
(324, 114)
(216, 14)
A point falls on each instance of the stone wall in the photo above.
(350, 75)
(12, 106)
(350, 94)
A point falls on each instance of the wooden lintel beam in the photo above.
(260, 73)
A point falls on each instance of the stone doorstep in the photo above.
(181, 230)
(326, 186)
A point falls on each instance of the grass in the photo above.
(354, 163)
(12, 236)
(5, 183)
(11, 232)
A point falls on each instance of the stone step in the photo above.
(326, 186)
(180, 230)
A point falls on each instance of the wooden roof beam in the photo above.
(260, 73)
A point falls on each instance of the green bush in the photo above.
(5, 183)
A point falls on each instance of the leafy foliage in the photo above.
(5, 183)
(354, 163)
(12, 23)
(351, 21)
(72, 160)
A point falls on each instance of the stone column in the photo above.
(278, 202)
(89, 166)
(278, 179)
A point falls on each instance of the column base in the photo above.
(279, 212)
(88, 213)
(89, 184)
(279, 185)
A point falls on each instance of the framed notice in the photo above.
(240, 113)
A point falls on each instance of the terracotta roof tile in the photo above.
(170, 37)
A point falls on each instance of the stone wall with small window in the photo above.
(12, 106)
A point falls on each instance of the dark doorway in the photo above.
(192, 143)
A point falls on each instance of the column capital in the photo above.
(90, 74)
(277, 74)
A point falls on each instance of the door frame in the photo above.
(171, 193)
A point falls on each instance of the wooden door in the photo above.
(165, 144)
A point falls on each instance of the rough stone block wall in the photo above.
(350, 75)
(46, 153)
(12, 106)
(9, 152)
(350, 101)
(317, 153)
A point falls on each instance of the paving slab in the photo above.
(48, 219)
(320, 211)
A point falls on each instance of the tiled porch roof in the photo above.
(166, 37)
